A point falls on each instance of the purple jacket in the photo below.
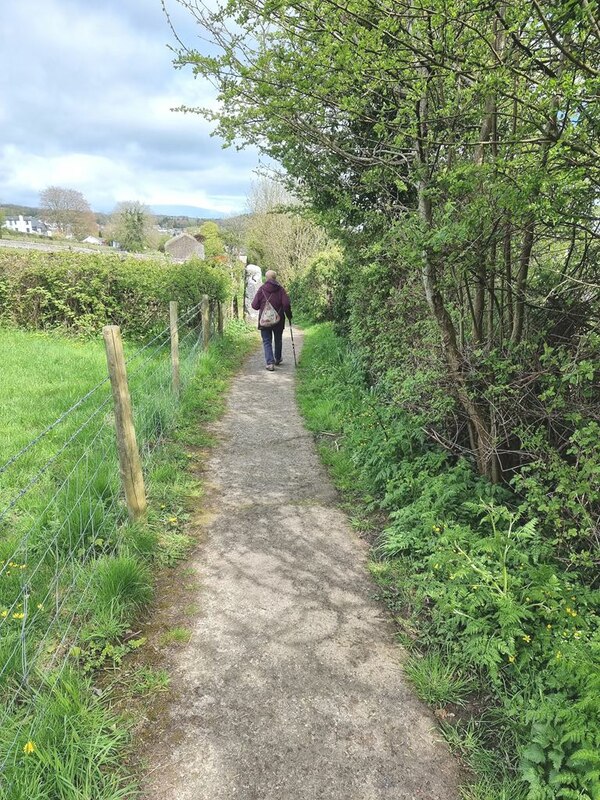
(276, 294)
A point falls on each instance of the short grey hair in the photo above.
(270, 275)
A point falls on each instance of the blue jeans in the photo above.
(268, 334)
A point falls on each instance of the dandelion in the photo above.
(4, 613)
(549, 626)
(18, 615)
(172, 520)
(29, 748)
(511, 659)
(526, 638)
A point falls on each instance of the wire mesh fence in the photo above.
(62, 514)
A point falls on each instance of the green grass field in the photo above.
(74, 572)
(42, 375)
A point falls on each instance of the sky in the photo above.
(86, 88)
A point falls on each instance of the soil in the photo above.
(291, 685)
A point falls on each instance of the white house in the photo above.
(23, 224)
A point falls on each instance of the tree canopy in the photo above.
(463, 135)
(131, 225)
(68, 210)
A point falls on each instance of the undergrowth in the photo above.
(504, 640)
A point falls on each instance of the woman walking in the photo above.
(273, 293)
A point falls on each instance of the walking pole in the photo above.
(293, 345)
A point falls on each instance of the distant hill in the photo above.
(186, 212)
(14, 211)
(162, 218)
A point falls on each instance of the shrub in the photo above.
(83, 292)
(312, 292)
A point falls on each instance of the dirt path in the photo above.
(290, 687)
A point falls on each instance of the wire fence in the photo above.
(64, 515)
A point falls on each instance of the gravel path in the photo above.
(290, 687)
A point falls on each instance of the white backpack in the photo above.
(269, 315)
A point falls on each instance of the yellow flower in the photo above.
(549, 626)
(172, 520)
(4, 613)
(511, 659)
(18, 615)
(526, 638)
(40, 606)
(29, 747)
(558, 655)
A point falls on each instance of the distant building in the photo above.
(184, 246)
(92, 240)
(23, 224)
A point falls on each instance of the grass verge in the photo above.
(59, 737)
(503, 641)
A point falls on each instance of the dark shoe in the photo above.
(277, 363)
(270, 367)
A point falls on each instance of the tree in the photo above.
(131, 225)
(467, 132)
(279, 234)
(68, 210)
(213, 243)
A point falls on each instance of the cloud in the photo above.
(86, 103)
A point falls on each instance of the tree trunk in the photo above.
(484, 451)
(524, 261)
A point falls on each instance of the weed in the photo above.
(122, 580)
(436, 681)
(148, 680)
(176, 636)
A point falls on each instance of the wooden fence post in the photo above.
(235, 309)
(174, 346)
(220, 317)
(205, 321)
(130, 465)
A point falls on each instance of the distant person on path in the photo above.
(275, 294)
